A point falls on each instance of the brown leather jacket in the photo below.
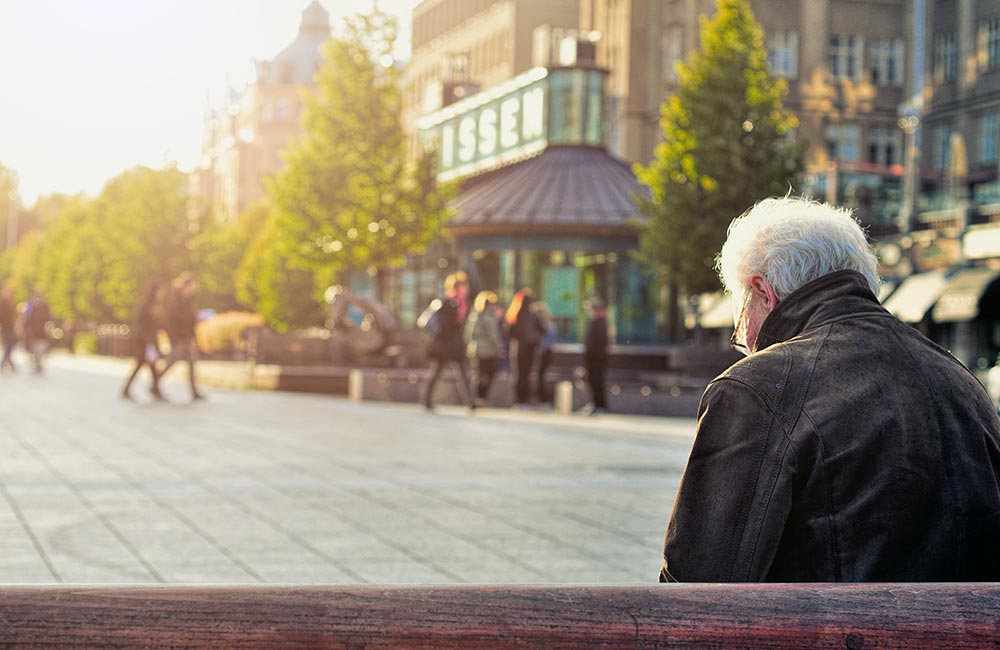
(847, 447)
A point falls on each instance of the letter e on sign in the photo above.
(508, 122)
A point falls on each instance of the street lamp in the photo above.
(909, 123)
(13, 204)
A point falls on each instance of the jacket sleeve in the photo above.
(735, 494)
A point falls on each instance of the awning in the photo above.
(718, 313)
(960, 300)
(565, 189)
(915, 296)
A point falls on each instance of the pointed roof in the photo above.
(315, 18)
(564, 189)
(298, 62)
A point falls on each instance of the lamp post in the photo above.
(909, 123)
(13, 205)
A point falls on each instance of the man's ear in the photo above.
(761, 285)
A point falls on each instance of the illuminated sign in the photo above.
(516, 119)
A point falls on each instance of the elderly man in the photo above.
(846, 446)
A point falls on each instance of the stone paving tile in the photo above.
(298, 489)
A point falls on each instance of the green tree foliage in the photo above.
(726, 145)
(347, 198)
(95, 256)
(219, 248)
(268, 282)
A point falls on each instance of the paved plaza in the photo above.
(264, 487)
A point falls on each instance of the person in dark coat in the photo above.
(180, 319)
(544, 352)
(8, 322)
(36, 339)
(447, 344)
(525, 332)
(595, 353)
(846, 447)
(144, 329)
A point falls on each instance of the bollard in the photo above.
(355, 385)
(564, 397)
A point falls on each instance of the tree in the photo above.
(271, 285)
(727, 144)
(347, 198)
(218, 250)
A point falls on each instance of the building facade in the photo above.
(244, 137)
(845, 63)
(460, 47)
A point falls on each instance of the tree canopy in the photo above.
(727, 143)
(348, 199)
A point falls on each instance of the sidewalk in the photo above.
(271, 487)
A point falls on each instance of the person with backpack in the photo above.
(443, 320)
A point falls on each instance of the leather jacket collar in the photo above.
(834, 296)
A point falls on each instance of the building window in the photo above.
(989, 138)
(281, 109)
(989, 43)
(942, 146)
(842, 142)
(945, 57)
(845, 56)
(884, 145)
(886, 63)
(783, 53)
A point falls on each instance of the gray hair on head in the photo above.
(791, 242)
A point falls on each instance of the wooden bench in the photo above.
(852, 617)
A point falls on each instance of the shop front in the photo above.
(543, 205)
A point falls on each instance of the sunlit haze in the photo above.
(92, 88)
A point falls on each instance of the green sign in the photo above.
(516, 119)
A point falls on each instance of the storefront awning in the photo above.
(566, 189)
(718, 312)
(960, 300)
(915, 296)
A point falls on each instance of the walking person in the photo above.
(447, 344)
(145, 326)
(36, 339)
(544, 351)
(483, 342)
(525, 330)
(8, 321)
(180, 319)
(595, 353)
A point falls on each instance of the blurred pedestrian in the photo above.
(180, 318)
(525, 332)
(447, 347)
(456, 285)
(144, 330)
(544, 352)
(36, 339)
(482, 335)
(595, 353)
(8, 321)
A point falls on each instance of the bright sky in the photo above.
(90, 88)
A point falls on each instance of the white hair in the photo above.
(791, 242)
